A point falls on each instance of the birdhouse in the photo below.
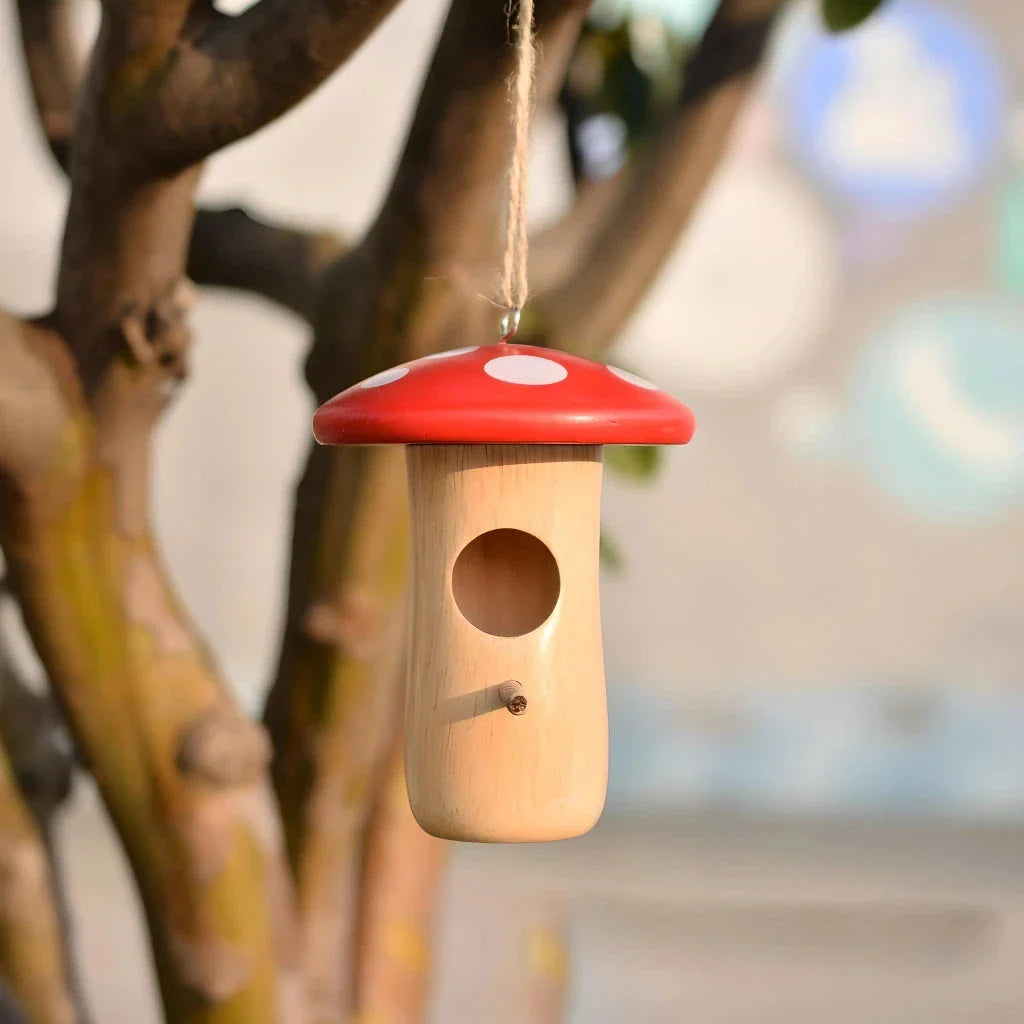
(506, 726)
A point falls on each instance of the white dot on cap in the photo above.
(525, 370)
(632, 378)
(378, 380)
(451, 352)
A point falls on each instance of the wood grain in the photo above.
(474, 771)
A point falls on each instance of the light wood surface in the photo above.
(476, 771)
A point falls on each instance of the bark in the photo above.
(197, 818)
(235, 75)
(167, 86)
(229, 248)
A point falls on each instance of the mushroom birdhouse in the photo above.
(506, 724)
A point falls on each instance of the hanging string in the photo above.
(513, 279)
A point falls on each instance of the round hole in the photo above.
(506, 582)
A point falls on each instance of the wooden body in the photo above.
(475, 771)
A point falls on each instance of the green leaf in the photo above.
(610, 552)
(640, 462)
(841, 15)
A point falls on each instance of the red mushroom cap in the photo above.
(503, 394)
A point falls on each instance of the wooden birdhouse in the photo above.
(506, 722)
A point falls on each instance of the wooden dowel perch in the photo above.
(511, 695)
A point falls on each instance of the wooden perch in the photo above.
(513, 697)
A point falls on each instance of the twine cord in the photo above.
(514, 288)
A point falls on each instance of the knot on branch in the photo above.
(354, 623)
(211, 967)
(222, 747)
(160, 336)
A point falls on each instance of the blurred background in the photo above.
(814, 614)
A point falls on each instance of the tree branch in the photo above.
(377, 308)
(232, 76)
(229, 247)
(169, 84)
(402, 867)
(411, 287)
(332, 710)
(232, 249)
(181, 771)
(51, 63)
(127, 229)
(599, 289)
(558, 249)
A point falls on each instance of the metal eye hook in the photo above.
(510, 323)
